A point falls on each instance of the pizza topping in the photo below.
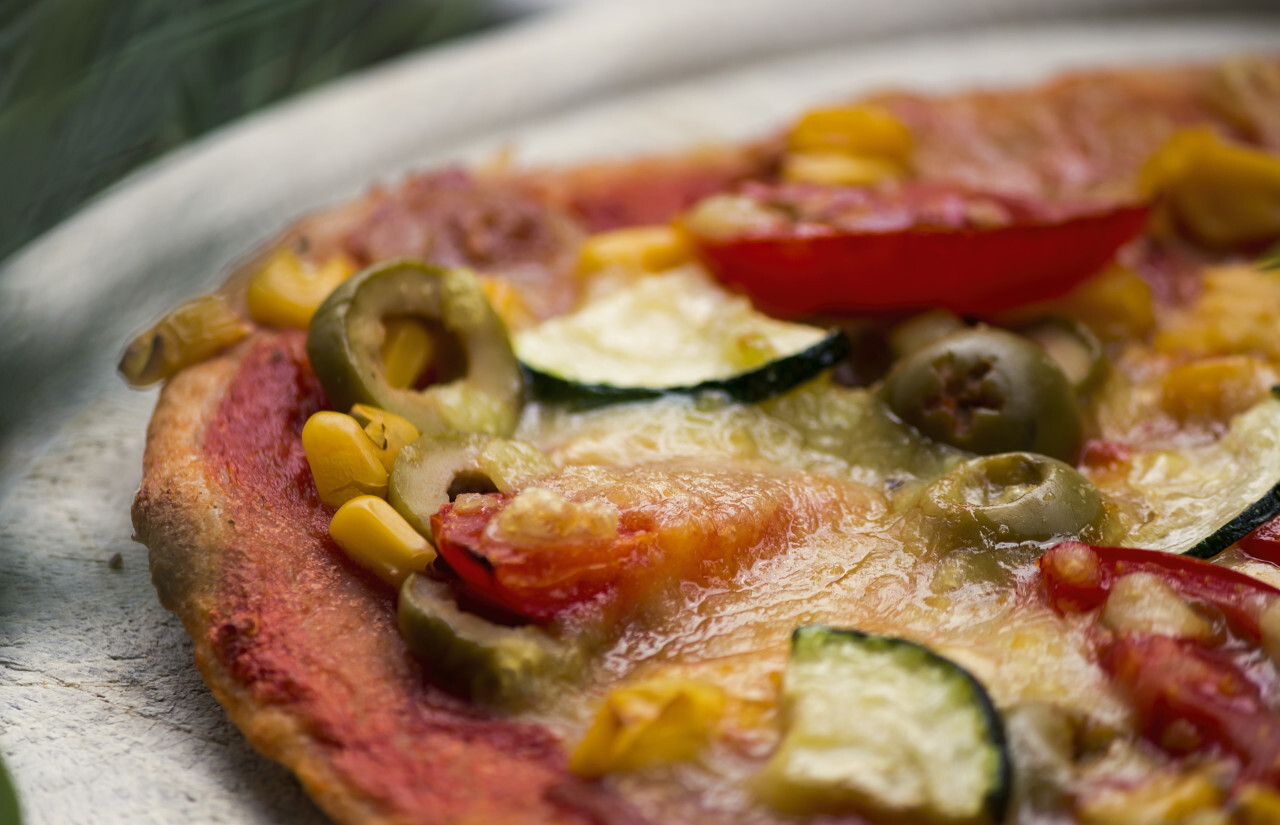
(1214, 390)
(1164, 798)
(1223, 194)
(512, 668)
(1073, 347)
(538, 519)
(653, 722)
(387, 431)
(847, 146)
(437, 468)
(1143, 603)
(675, 332)
(287, 289)
(636, 249)
(474, 381)
(188, 335)
(987, 391)
(885, 727)
(1013, 498)
(344, 461)
(674, 523)
(1080, 577)
(1228, 503)
(374, 535)
(801, 249)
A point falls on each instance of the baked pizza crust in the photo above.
(299, 645)
(198, 523)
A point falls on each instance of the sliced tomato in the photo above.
(1079, 576)
(1264, 543)
(1190, 698)
(612, 540)
(806, 249)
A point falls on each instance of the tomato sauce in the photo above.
(300, 627)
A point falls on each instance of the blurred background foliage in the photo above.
(90, 89)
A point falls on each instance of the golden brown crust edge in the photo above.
(179, 515)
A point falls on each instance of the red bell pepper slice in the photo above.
(913, 246)
(1190, 698)
(1264, 543)
(1079, 576)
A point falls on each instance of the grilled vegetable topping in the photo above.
(1232, 504)
(987, 391)
(436, 469)
(191, 333)
(653, 722)
(672, 333)
(1073, 347)
(287, 290)
(887, 727)
(1222, 194)
(377, 538)
(1014, 498)
(799, 248)
(509, 667)
(473, 379)
(344, 461)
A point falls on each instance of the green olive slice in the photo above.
(508, 667)
(478, 387)
(987, 391)
(435, 469)
(1014, 498)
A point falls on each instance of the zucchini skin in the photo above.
(1250, 519)
(750, 387)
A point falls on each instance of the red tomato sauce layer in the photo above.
(301, 628)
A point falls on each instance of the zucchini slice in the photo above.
(1211, 497)
(677, 332)
(885, 727)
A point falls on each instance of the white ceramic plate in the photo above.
(103, 718)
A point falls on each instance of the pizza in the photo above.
(916, 463)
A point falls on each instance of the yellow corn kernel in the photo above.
(188, 335)
(507, 301)
(659, 721)
(839, 169)
(387, 431)
(375, 536)
(1256, 805)
(1214, 389)
(1163, 799)
(287, 290)
(344, 461)
(863, 131)
(1224, 194)
(1237, 312)
(644, 248)
(406, 351)
(1116, 304)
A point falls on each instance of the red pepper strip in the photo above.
(914, 247)
(1174, 683)
(1079, 577)
(1264, 543)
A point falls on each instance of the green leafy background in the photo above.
(90, 89)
